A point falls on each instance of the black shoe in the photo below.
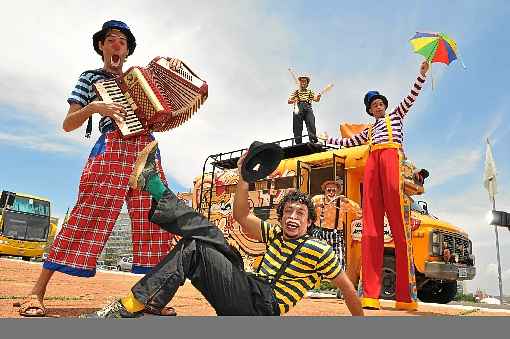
(145, 166)
(113, 310)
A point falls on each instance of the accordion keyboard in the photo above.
(109, 91)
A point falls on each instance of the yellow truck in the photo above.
(442, 252)
(25, 225)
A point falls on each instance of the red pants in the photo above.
(382, 193)
(102, 192)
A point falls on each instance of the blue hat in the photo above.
(114, 24)
(370, 97)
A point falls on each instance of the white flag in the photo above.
(489, 175)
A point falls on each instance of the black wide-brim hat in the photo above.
(370, 97)
(114, 24)
(261, 160)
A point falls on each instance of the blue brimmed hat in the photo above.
(114, 24)
(370, 97)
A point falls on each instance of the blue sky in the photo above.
(243, 50)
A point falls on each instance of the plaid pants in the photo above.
(333, 237)
(102, 192)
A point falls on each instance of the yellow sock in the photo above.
(132, 304)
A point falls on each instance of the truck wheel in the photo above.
(388, 278)
(438, 292)
(119, 268)
(26, 258)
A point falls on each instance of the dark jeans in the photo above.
(305, 114)
(204, 257)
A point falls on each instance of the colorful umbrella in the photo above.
(435, 47)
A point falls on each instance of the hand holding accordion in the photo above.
(157, 98)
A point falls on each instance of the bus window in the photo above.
(32, 206)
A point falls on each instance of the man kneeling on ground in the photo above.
(294, 261)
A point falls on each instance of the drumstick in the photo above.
(294, 76)
(326, 89)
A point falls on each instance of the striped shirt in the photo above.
(315, 260)
(380, 133)
(83, 93)
(303, 95)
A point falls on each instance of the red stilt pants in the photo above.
(382, 194)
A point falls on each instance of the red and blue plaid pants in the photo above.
(102, 192)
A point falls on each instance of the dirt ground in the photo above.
(69, 296)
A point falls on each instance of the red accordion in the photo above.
(156, 98)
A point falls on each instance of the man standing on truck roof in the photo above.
(382, 193)
(303, 97)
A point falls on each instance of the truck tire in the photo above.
(388, 278)
(26, 258)
(439, 292)
(119, 268)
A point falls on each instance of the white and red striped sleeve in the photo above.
(356, 140)
(409, 100)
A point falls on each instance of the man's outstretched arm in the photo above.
(250, 224)
(351, 298)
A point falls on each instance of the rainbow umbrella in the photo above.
(435, 47)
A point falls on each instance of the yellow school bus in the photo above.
(25, 225)
(442, 252)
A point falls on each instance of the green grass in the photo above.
(56, 297)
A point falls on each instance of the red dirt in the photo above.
(69, 296)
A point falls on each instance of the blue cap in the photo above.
(370, 97)
(114, 24)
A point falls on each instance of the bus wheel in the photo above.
(388, 278)
(26, 258)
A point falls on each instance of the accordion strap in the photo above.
(106, 74)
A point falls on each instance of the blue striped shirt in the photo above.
(83, 93)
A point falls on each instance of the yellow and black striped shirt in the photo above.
(315, 260)
(303, 95)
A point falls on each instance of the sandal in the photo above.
(31, 307)
(164, 312)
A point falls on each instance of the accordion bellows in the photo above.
(156, 98)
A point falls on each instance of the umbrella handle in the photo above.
(431, 77)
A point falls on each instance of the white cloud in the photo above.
(39, 143)
(457, 163)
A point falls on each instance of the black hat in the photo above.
(370, 97)
(262, 159)
(114, 24)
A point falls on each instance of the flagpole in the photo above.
(490, 174)
(499, 259)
